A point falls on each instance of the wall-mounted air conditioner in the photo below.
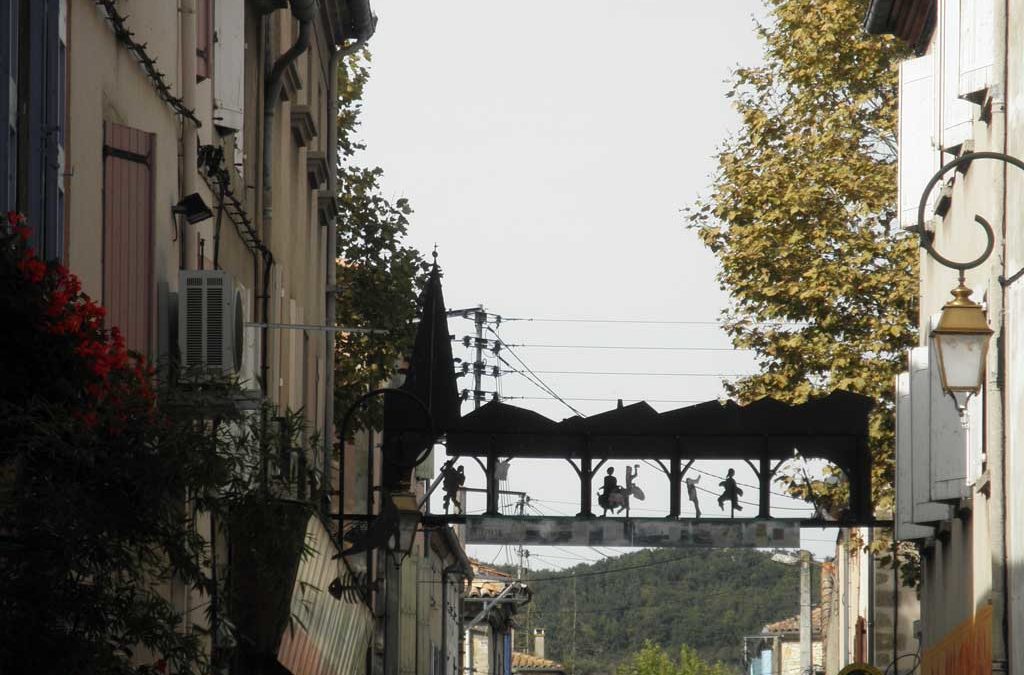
(210, 321)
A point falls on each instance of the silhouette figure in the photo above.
(452, 480)
(731, 493)
(691, 493)
(610, 487)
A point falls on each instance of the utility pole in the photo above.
(482, 320)
(479, 318)
(805, 613)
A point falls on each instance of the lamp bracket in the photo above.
(926, 238)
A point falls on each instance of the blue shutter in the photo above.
(41, 125)
(8, 103)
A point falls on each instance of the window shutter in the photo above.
(229, 77)
(957, 114)
(128, 233)
(948, 438)
(906, 529)
(204, 39)
(976, 33)
(925, 510)
(918, 157)
(9, 103)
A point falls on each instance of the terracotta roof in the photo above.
(489, 582)
(526, 662)
(792, 624)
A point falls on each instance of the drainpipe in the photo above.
(995, 433)
(305, 12)
(189, 141)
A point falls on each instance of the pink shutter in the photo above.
(128, 233)
(204, 39)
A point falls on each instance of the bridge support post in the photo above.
(675, 478)
(586, 482)
(492, 483)
(764, 476)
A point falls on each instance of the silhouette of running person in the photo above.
(731, 492)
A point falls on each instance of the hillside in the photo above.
(708, 599)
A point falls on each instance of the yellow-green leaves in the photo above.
(800, 216)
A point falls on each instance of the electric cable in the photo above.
(644, 374)
(544, 385)
(534, 345)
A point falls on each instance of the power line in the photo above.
(644, 374)
(639, 321)
(534, 345)
(543, 385)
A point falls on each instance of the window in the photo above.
(229, 66)
(128, 233)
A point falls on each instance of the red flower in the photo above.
(33, 269)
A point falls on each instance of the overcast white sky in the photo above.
(547, 149)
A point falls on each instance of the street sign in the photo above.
(638, 532)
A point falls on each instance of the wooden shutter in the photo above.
(204, 39)
(918, 157)
(128, 233)
(906, 528)
(228, 66)
(957, 114)
(976, 36)
(926, 511)
(9, 103)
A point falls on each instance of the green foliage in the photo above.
(653, 660)
(802, 217)
(707, 599)
(379, 275)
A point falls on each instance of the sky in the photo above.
(548, 150)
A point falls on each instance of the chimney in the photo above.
(538, 643)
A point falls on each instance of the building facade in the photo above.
(958, 478)
(149, 141)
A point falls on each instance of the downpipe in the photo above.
(304, 11)
(995, 395)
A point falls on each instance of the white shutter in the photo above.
(918, 156)
(906, 529)
(948, 438)
(925, 510)
(975, 437)
(228, 61)
(957, 114)
(976, 36)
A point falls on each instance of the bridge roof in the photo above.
(829, 427)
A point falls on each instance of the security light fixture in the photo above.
(193, 208)
(961, 342)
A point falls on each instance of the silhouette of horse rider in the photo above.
(615, 496)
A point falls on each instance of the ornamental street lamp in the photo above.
(962, 335)
(961, 342)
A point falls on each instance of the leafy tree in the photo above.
(653, 660)
(379, 275)
(802, 217)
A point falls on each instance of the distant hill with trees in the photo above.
(597, 616)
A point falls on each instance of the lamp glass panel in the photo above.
(962, 360)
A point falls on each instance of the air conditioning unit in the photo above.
(210, 321)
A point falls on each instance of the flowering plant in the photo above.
(102, 480)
